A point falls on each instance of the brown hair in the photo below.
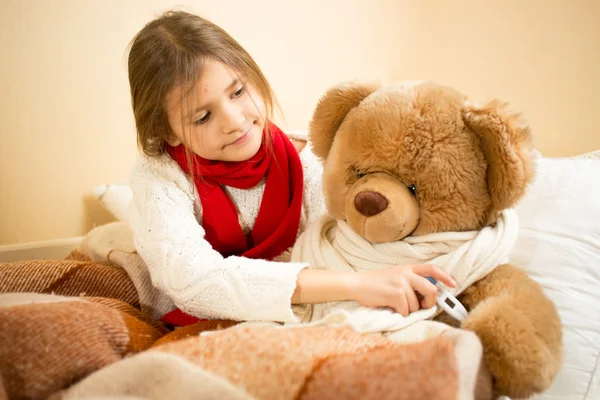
(168, 52)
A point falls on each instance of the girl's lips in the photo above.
(241, 138)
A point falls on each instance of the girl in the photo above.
(220, 191)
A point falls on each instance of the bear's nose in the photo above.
(370, 203)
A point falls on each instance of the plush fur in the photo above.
(420, 158)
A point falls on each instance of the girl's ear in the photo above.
(173, 140)
(167, 134)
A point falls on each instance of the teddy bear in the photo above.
(408, 163)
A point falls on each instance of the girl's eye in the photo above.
(203, 119)
(239, 92)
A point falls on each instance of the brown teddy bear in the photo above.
(407, 161)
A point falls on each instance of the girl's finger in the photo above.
(435, 272)
(427, 290)
(411, 298)
(400, 304)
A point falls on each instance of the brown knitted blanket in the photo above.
(73, 329)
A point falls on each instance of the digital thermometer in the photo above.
(448, 302)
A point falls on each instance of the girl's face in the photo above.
(221, 118)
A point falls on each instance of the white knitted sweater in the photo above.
(165, 220)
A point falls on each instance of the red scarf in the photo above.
(278, 219)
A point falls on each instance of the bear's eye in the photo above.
(359, 173)
(413, 189)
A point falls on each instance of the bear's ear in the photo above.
(331, 110)
(508, 148)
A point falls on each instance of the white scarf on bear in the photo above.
(466, 256)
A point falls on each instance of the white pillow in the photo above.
(559, 246)
(115, 197)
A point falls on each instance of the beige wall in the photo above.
(542, 56)
(66, 123)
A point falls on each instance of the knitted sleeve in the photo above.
(184, 266)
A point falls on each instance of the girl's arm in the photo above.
(395, 287)
(186, 268)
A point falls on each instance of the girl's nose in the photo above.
(233, 118)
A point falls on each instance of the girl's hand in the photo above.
(397, 287)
